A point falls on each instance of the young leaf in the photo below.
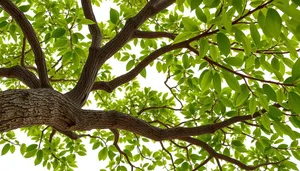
(59, 32)
(86, 21)
(129, 64)
(189, 24)
(296, 70)
(231, 81)
(223, 43)
(204, 46)
(39, 157)
(262, 23)
(102, 155)
(273, 21)
(200, 15)
(285, 129)
(240, 37)
(255, 34)
(206, 80)
(217, 82)
(289, 45)
(294, 100)
(274, 113)
(5, 149)
(252, 105)
(183, 36)
(269, 92)
(195, 4)
(265, 121)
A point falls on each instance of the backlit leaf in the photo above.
(223, 43)
(273, 21)
(114, 15)
(231, 81)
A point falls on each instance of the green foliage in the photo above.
(220, 61)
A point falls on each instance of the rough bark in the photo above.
(21, 108)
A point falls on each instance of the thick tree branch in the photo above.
(95, 61)
(94, 29)
(22, 74)
(30, 35)
(58, 111)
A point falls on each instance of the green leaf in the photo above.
(59, 32)
(39, 157)
(204, 47)
(273, 21)
(217, 82)
(5, 149)
(102, 155)
(255, 34)
(86, 21)
(130, 64)
(243, 96)
(262, 23)
(143, 73)
(231, 81)
(61, 42)
(289, 10)
(270, 92)
(295, 120)
(240, 37)
(237, 143)
(252, 105)
(31, 147)
(296, 70)
(114, 16)
(285, 129)
(234, 61)
(290, 46)
(80, 52)
(195, 4)
(180, 2)
(206, 80)
(294, 100)
(200, 15)
(296, 155)
(265, 121)
(67, 57)
(24, 8)
(182, 37)
(223, 43)
(264, 102)
(274, 113)
(189, 24)
(185, 61)
(238, 5)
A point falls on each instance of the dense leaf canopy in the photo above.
(230, 95)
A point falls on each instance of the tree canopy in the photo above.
(231, 70)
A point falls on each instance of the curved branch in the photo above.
(113, 84)
(22, 74)
(236, 73)
(94, 29)
(216, 155)
(88, 76)
(30, 35)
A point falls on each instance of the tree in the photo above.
(232, 73)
